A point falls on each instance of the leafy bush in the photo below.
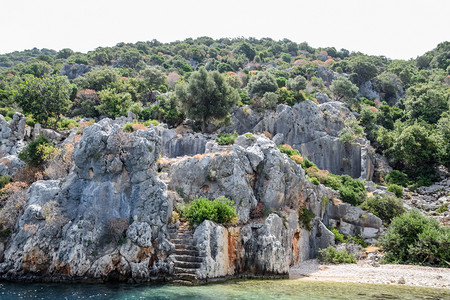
(151, 122)
(249, 136)
(397, 177)
(305, 216)
(31, 154)
(332, 255)
(350, 190)
(385, 207)
(4, 180)
(220, 210)
(396, 189)
(226, 138)
(286, 149)
(128, 127)
(416, 239)
(340, 238)
(67, 124)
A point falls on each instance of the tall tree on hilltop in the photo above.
(206, 96)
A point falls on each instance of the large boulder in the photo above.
(314, 131)
(12, 135)
(74, 227)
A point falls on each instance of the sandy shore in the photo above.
(364, 273)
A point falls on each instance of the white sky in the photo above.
(394, 28)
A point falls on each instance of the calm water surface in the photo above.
(248, 289)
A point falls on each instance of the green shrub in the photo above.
(340, 238)
(307, 163)
(151, 122)
(443, 208)
(332, 255)
(31, 155)
(352, 190)
(250, 136)
(397, 177)
(396, 189)
(128, 127)
(315, 181)
(416, 239)
(4, 180)
(30, 121)
(146, 114)
(286, 149)
(220, 210)
(385, 207)
(226, 138)
(305, 216)
(67, 124)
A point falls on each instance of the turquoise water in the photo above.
(248, 289)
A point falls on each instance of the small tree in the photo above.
(296, 84)
(44, 98)
(343, 88)
(262, 83)
(207, 96)
(114, 104)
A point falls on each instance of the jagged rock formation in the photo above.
(314, 131)
(433, 200)
(109, 218)
(74, 70)
(70, 226)
(12, 135)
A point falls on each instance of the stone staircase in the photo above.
(187, 259)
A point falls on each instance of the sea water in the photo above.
(241, 289)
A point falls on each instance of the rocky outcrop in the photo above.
(12, 135)
(109, 218)
(74, 70)
(353, 221)
(175, 145)
(314, 131)
(75, 228)
(10, 164)
(432, 200)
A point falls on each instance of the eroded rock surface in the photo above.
(74, 227)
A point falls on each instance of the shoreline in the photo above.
(412, 275)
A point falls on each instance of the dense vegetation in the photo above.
(417, 239)
(405, 114)
(220, 210)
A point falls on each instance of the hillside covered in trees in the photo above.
(403, 106)
(205, 158)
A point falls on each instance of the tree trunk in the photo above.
(204, 125)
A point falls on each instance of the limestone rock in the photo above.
(10, 164)
(74, 70)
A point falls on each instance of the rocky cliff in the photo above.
(109, 219)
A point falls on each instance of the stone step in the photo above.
(184, 282)
(181, 251)
(183, 246)
(186, 276)
(187, 264)
(180, 270)
(182, 241)
(188, 258)
(181, 236)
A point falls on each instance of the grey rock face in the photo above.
(72, 227)
(10, 164)
(74, 70)
(175, 145)
(353, 221)
(12, 135)
(314, 131)
(367, 90)
(258, 171)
